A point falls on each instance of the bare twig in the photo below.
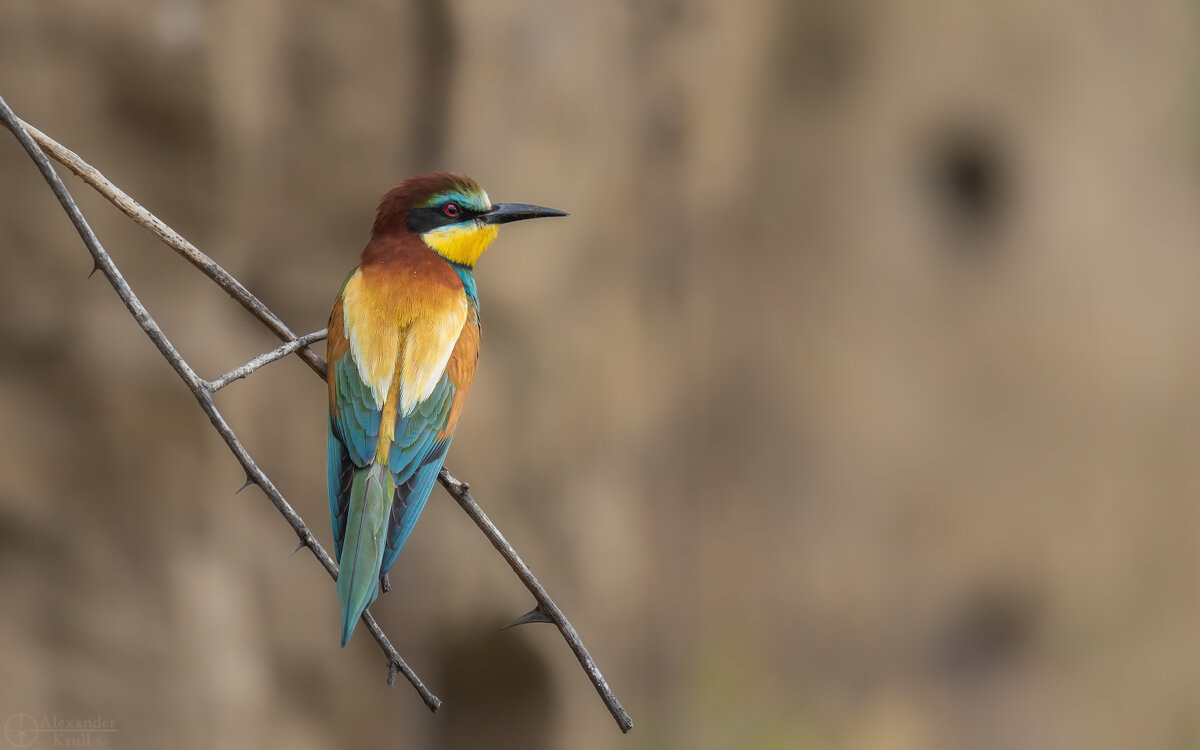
(173, 240)
(200, 389)
(265, 359)
(545, 611)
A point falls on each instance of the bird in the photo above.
(402, 350)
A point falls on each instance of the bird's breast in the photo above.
(402, 323)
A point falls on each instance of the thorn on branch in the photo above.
(303, 543)
(534, 615)
(95, 268)
(393, 667)
(249, 481)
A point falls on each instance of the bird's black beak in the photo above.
(502, 213)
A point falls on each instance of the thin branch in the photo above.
(265, 359)
(171, 239)
(546, 610)
(200, 389)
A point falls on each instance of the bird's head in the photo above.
(451, 214)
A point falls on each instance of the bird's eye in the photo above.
(452, 210)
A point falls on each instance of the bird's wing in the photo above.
(339, 473)
(416, 457)
(355, 417)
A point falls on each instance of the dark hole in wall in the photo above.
(968, 176)
(993, 627)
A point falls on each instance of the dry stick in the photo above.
(200, 388)
(265, 359)
(173, 240)
(546, 610)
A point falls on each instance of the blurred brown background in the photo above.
(857, 404)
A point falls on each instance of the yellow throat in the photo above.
(461, 243)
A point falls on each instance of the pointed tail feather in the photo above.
(370, 507)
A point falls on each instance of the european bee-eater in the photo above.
(402, 350)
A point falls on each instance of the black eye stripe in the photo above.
(421, 220)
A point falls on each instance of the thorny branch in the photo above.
(171, 239)
(200, 389)
(545, 611)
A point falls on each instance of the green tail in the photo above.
(371, 492)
